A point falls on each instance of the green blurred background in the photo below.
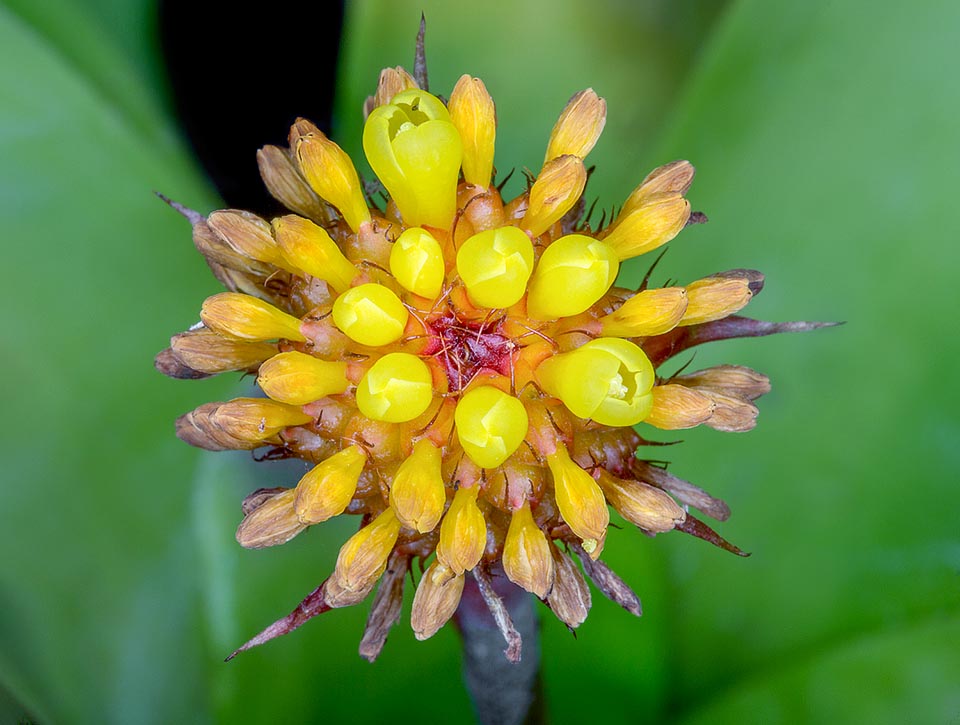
(826, 140)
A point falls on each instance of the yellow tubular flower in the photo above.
(580, 501)
(327, 488)
(370, 314)
(295, 378)
(416, 151)
(330, 172)
(417, 492)
(554, 193)
(527, 560)
(364, 557)
(607, 379)
(398, 387)
(473, 113)
(491, 425)
(579, 126)
(416, 260)
(248, 318)
(651, 312)
(495, 266)
(309, 247)
(581, 266)
(652, 224)
(463, 533)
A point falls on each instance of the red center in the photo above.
(467, 348)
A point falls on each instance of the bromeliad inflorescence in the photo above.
(458, 371)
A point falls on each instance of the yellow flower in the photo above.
(459, 371)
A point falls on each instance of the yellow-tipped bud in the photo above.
(653, 223)
(641, 504)
(463, 532)
(570, 597)
(579, 126)
(473, 113)
(651, 312)
(495, 266)
(247, 234)
(256, 419)
(714, 298)
(491, 425)
(673, 178)
(310, 248)
(416, 260)
(417, 492)
(364, 557)
(573, 273)
(527, 561)
(676, 407)
(248, 318)
(272, 523)
(580, 501)
(607, 379)
(327, 488)
(370, 314)
(398, 387)
(297, 378)
(437, 597)
(554, 193)
(415, 151)
(329, 170)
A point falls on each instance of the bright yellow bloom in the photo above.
(416, 260)
(495, 266)
(490, 425)
(370, 314)
(397, 388)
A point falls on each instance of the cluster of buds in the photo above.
(459, 371)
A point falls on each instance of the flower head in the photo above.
(459, 370)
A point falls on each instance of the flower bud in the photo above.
(249, 235)
(417, 492)
(416, 261)
(197, 428)
(641, 504)
(397, 388)
(330, 172)
(735, 380)
(673, 178)
(310, 248)
(370, 314)
(364, 557)
(676, 407)
(463, 533)
(580, 501)
(647, 313)
(491, 425)
(256, 419)
(554, 193)
(731, 414)
(607, 379)
(415, 151)
(495, 266)
(714, 298)
(437, 597)
(570, 597)
(527, 561)
(272, 523)
(287, 185)
(297, 378)
(327, 488)
(208, 352)
(248, 318)
(573, 273)
(473, 113)
(653, 223)
(391, 82)
(579, 126)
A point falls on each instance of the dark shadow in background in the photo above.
(240, 76)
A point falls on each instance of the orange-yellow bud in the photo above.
(491, 425)
(653, 223)
(437, 597)
(417, 492)
(714, 298)
(607, 379)
(297, 378)
(463, 532)
(573, 273)
(416, 260)
(473, 113)
(527, 561)
(580, 501)
(252, 419)
(370, 314)
(651, 312)
(326, 489)
(495, 266)
(641, 504)
(398, 387)
(310, 248)
(673, 178)
(364, 557)
(248, 318)
(553, 194)
(579, 126)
